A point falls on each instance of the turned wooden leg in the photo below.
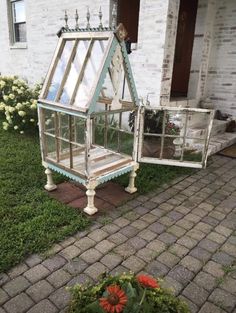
(90, 208)
(50, 185)
(131, 188)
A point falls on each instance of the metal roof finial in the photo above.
(66, 20)
(114, 15)
(76, 19)
(88, 18)
(100, 17)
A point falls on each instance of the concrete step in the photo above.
(198, 130)
(220, 142)
(219, 127)
(217, 143)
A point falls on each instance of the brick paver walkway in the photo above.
(184, 232)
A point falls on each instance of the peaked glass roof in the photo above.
(90, 67)
(75, 71)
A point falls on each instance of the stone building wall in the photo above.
(44, 19)
(197, 48)
(221, 81)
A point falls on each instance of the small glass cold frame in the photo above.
(84, 108)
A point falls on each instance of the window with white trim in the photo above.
(18, 21)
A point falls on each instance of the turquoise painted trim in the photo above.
(117, 173)
(102, 77)
(104, 72)
(67, 174)
(129, 73)
(84, 182)
(61, 110)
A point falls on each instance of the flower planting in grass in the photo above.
(18, 104)
(31, 221)
(125, 293)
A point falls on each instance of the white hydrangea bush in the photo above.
(18, 104)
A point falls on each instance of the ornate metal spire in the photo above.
(100, 17)
(76, 19)
(114, 15)
(88, 18)
(66, 20)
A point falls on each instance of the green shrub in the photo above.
(18, 104)
(125, 293)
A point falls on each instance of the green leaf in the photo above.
(94, 308)
(130, 291)
(136, 308)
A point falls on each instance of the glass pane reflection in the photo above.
(60, 69)
(90, 72)
(74, 71)
(18, 11)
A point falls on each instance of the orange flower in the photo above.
(115, 301)
(147, 281)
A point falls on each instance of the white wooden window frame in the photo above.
(164, 161)
(13, 43)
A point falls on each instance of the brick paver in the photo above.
(183, 232)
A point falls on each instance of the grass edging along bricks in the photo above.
(31, 221)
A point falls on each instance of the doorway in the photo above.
(184, 48)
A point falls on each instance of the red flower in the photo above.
(147, 281)
(115, 301)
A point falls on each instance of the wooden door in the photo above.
(128, 14)
(184, 47)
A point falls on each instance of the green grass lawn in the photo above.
(30, 220)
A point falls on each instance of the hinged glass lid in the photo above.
(75, 71)
(175, 136)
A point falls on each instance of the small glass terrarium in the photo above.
(84, 110)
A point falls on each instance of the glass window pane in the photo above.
(196, 131)
(20, 32)
(60, 69)
(174, 122)
(64, 152)
(74, 71)
(151, 146)
(18, 9)
(153, 121)
(63, 120)
(50, 143)
(90, 72)
(79, 131)
(49, 121)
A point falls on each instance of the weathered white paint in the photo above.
(221, 81)
(90, 209)
(131, 187)
(169, 52)
(50, 186)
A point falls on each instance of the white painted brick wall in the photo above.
(197, 48)
(221, 79)
(221, 82)
(44, 19)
